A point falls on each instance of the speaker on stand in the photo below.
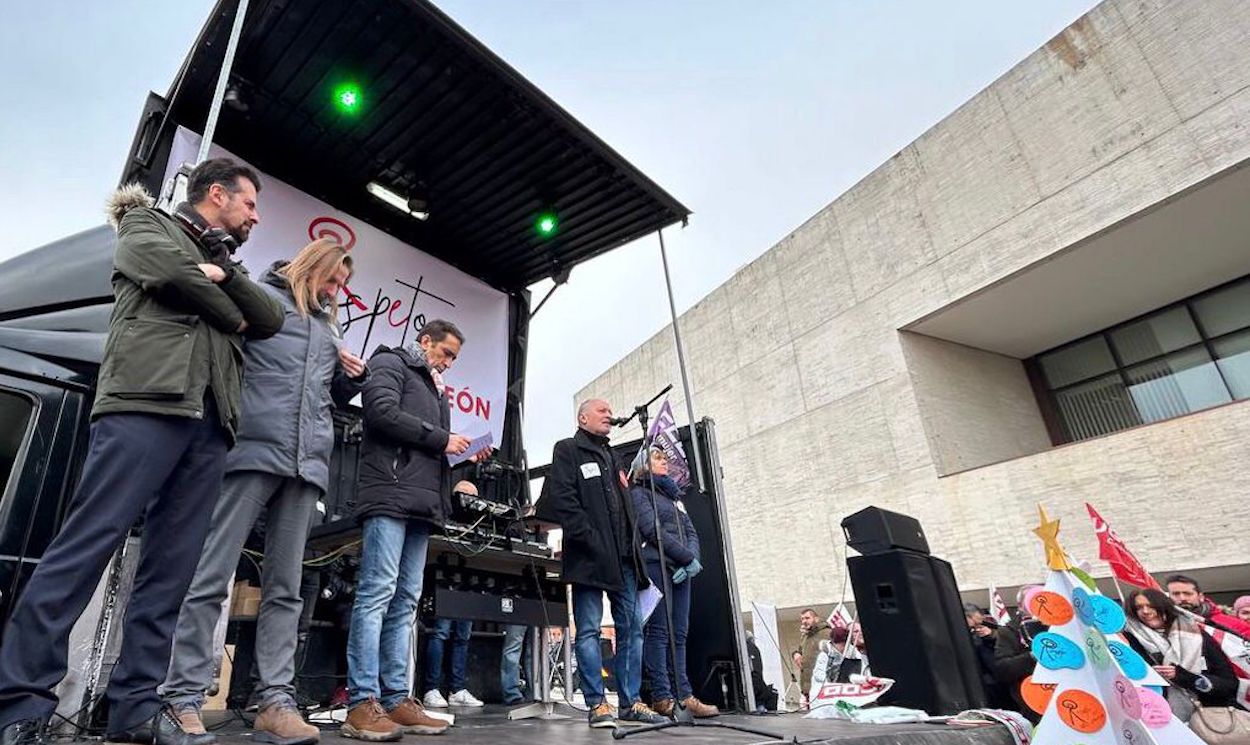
(911, 615)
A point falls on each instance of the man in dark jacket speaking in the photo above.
(166, 411)
(586, 493)
(404, 490)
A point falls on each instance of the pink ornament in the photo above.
(1155, 712)
(1127, 696)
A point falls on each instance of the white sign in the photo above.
(764, 626)
(396, 288)
(860, 691)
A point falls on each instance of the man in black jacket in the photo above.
(404, 489)
(586, 493)
(165, 414)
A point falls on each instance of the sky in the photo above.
(754, 115)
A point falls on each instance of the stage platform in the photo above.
(490, 726)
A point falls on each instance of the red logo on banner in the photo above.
(334, 229)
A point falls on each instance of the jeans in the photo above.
(587, 618)
(459, 632)
(379, 642)
(168, 470)
(655, 647)
(510, 663)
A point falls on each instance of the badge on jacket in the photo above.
(590, 470)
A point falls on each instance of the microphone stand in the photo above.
(681, 715)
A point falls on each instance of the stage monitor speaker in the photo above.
(872, 530)
(915, 631)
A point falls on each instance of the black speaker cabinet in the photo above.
(914, 626)
(873, 529)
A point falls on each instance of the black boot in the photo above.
(23, 732)
(161, 729)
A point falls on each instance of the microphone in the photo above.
(619, 421)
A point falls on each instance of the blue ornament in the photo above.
(1084, 608)
(1054, 651)
(1130, 662)
(1108, 615)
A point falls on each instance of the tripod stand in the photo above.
(681, 715)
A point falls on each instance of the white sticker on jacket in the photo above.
(590, 470)
(680, 505)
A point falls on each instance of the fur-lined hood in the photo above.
(129, 197)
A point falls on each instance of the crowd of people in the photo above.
(183, 440)
(1163, 627)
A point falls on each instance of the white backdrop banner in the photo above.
(396, 288)
(764, 627)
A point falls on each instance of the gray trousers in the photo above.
(288, 504)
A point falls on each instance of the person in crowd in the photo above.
(1013, 660)
(1187, 594)
(514, 642)
(459, 632)
(663, 522)
(984, 631)
(765, 694)
(858, 651)
(404, 488)
(166, 412)
(829, 664)
(1183, 655)
(587, 494)
(812, 630)
(280, 466)
(1241, 608)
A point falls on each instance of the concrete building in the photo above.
(1044, 298)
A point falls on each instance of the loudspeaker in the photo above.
(914, 628)
(873, 529)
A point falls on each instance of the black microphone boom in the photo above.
(620, 421)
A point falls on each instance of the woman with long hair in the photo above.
(1183, 655)
(681, 554)
(280, 466)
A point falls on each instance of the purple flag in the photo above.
(663, 435)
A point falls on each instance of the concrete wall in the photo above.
(800, 360)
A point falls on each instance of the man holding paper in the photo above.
(404, 489)
(587, 495)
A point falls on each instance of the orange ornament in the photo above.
(1036, 695)
(1081, 711)
(1051, 608)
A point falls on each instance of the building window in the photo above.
(1183, 358)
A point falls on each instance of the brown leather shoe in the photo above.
(664, 707)
(699, 709)
(368, 721)
(281, 724)
(409, 715)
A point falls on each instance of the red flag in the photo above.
(1124, 565)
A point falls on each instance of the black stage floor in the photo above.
(490, 726)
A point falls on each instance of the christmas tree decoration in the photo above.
(1089, 685)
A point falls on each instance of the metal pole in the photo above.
(223, 80)
(681, 364)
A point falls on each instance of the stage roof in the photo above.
(435, 109)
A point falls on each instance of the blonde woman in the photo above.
(279, 466)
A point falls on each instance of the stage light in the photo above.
(547, 224)
(399, 201)
(347, 98)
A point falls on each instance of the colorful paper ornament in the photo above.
(1055, 651)
(1088, 684)
(1036, 695)
(1051, 608)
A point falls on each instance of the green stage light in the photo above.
(347, 98)
(547, 224)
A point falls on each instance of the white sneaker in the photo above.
(462, 697)
(434, 700)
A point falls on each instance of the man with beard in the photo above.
(812, 631)
(1186, 592)
(166, 412)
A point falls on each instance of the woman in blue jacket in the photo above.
(681, 555)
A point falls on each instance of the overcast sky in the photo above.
(754, 115)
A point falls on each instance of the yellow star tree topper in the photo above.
(1048, 531)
